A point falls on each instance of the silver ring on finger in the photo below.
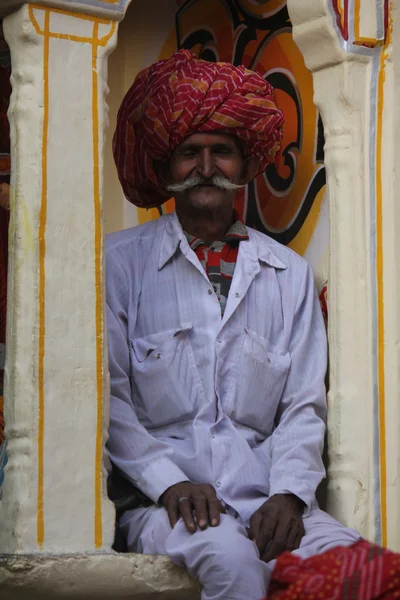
(183, 498)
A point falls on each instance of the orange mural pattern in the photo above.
(285, 201)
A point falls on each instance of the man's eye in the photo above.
(223, 151)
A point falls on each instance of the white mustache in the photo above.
(221, 182)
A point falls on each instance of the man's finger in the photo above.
(268, 528)
(214, 506)
(172, 511)
(272, 551)
(214, 511)
(278, 541)
(186, 511)
(255, 526)
(295, 536)
(200, 506)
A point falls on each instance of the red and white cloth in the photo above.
(219, 258)
(359, 572)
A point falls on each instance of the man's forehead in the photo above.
(210, 139)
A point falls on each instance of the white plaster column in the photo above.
(57, 525)
(56, 391)
(357, 91)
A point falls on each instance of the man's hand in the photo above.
(277, 526)
(189, 500)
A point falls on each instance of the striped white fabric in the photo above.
(237, 402)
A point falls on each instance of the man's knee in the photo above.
(323, 532)
(226, 546)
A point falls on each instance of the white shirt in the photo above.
(237, 402)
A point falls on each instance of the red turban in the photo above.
(180, 96)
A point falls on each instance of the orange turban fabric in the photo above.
(180, 96)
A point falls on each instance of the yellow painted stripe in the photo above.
(358, 39)
(370, 42)
(98, 526)
(380, 290)
(357, 19)
(42, 282)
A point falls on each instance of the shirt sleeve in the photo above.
(144, 460)
(298, 440)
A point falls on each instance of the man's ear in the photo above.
(250, 169)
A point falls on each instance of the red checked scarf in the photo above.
(360, 572)
(219, 258)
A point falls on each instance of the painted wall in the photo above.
(288, 202)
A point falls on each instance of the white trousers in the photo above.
(222, 558)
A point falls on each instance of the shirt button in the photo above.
(219, 340)
(209, 292)
(158, 355)
(213, 435)
(237, 295)
(218, 484)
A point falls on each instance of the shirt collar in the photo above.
(236, 233)
(262, 251)
(174, 237)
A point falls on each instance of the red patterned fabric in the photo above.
(361, 572)
(180, 96)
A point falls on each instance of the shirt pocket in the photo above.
(164, 377)
(260, 376)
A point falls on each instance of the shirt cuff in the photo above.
(158, 477)
(299, 491)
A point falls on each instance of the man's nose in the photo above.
(206, 164)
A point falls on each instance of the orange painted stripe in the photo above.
(42, 282)
(33, 19)
(380, 289)
(74, 38)
(86, 40)
(69, 13)
(98, 235)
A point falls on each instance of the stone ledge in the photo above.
(97, 576)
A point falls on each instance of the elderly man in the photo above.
(216, 340)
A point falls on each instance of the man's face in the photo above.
(208, 162)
